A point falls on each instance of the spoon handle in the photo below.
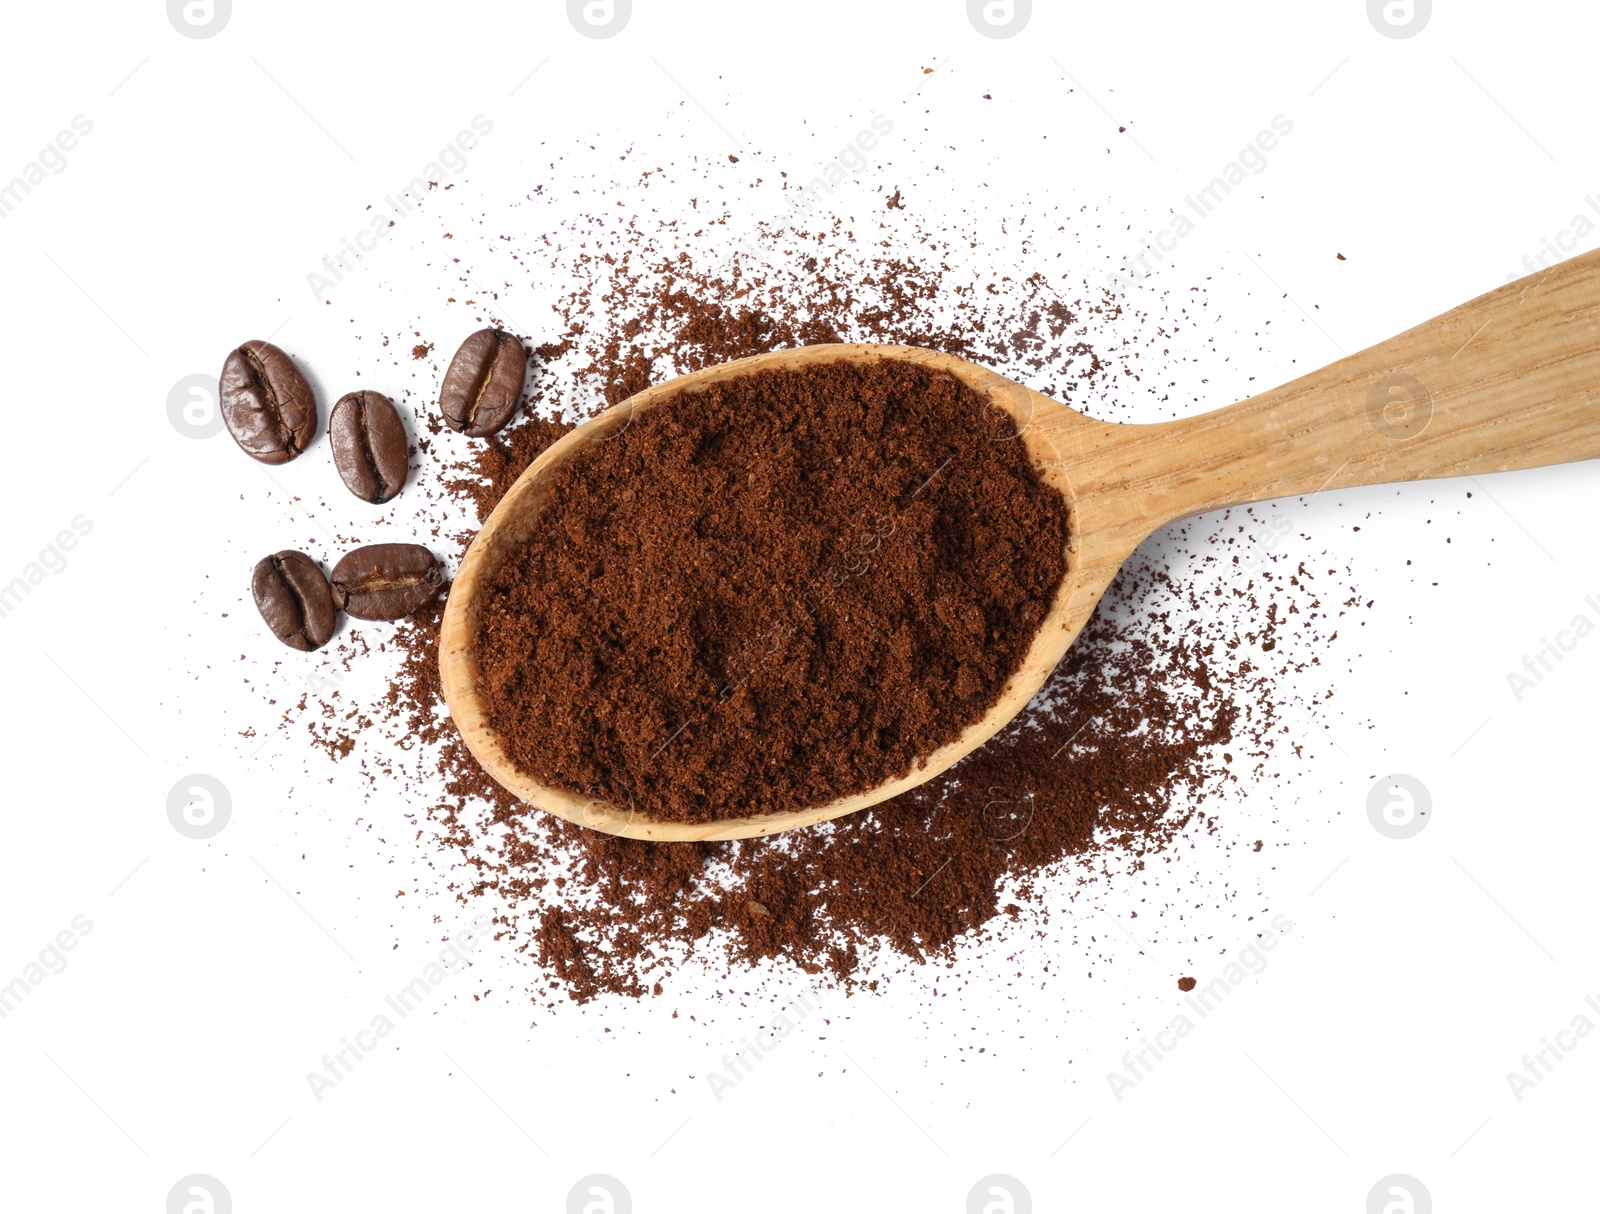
(1509, 380)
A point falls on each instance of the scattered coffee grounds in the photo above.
(1107, 762)
(1192, 685)
(915, 874)
(773, 593)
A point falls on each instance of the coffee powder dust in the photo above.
(1179, 688)
(773, 593)
(1157, 704)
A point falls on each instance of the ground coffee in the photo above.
(775, 592)
(1187, 676)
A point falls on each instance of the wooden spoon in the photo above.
(1502, 382)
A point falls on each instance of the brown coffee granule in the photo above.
(772, 593)
(498, 462)
(1186, 984)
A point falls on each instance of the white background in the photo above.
(220, 170)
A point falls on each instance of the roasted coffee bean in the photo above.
(369, 445)
(294, 599)
(267, 403)
(480, 389)
(386, 581)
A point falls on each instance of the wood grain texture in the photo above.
(1500, 383)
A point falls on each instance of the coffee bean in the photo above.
(267, 403)
(480, 389)
(369, 445)
(294, 599)
(386, 581)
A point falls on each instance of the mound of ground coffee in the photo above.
(778, 591)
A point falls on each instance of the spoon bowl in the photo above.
(1500, 383)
